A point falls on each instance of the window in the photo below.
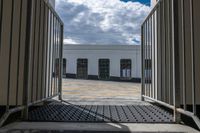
(104, 69)
(82, 68)
(64, 66)
(125, 68)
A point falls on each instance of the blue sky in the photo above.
(102, 22)
(142, 1)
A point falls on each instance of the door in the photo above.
(104, 69)
(125, 69)
(82, 69)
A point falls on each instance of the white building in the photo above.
(105, 62)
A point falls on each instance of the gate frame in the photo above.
(177, 111)
(25, 105)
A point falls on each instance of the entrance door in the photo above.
(82, 69)
(125, 69)
(104, 69)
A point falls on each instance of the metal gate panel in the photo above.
(175, 56)
(31, 35)
(5, 48)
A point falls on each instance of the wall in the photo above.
(94, 53)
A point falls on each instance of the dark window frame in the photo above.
(121, 69)
(100, 69)
(81, 76)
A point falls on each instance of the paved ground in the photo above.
(98, 92)
(62, 127)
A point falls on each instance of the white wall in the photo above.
(94, 53)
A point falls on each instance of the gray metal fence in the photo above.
(31, 40)
(170, 40)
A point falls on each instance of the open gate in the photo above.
(170, 40)
(30, 55)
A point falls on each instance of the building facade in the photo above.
(104, 62)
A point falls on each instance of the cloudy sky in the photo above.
(102, 21)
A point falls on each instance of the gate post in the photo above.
(142, 64)
(175, 57)
(27, 59)
(61, 62)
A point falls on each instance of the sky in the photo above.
(102, 22)
(146, 2)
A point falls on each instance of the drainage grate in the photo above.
(101, 113)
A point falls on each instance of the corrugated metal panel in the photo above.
(30, 42)
(177, 51)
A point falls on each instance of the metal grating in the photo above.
(101, 113)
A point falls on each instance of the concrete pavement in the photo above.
(55, 127)
(100, 92)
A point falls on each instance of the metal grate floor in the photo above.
(58, 112)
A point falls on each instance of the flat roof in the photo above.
(100, 47)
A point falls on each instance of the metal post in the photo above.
(183, 51)
(34, 48)
(176, 65)
(154, 56)
(52, 53)
(173, 61)
(38, 50)
(193, 56)
(27, 58)
(147, 57)
(18, 58)
(46, 49)
(142, 57)
(50, 47)
(151, 62)
(1, 15)
(61, 61)
(164, 53)
(10, 52)
(159, 71)
(150, 57)
(169, 46)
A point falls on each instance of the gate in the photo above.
(170, 42)
(31, 35)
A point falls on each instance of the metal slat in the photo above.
(1, 15)
(50, 49)
(183, 53)
(193, 58)
(38, 50)
(24, 56)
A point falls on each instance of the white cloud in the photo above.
(69, 41)
(101, 21)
